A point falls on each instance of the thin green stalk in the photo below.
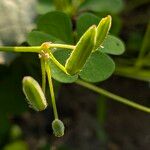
(62, 46)
(48, 70)
(113, 96)
(34, 49)
(144, 48)
(43, 74)
(59, 65)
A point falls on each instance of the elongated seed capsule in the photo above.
(81, 52)
(102, 30)
(34, 94)
(58, 128)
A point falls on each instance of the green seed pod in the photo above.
(81, 52)
(102, 30)
(34, 94)
(58, 128)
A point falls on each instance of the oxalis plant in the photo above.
(85, 62)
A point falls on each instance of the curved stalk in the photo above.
(56, 62)
(113, 96)
(48, 71)
(43, 75)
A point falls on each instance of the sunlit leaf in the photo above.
(97, 68)
(57, 24)
(57, 74)
(112, 45)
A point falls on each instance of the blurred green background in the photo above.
(93, 122)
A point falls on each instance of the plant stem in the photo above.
(48, 70)
(59, 65)
(62, 46)
(113, 96)
(34, 49)
(43, 74)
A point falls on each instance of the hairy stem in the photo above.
(113, 96)
(48, 70)
(43, 74)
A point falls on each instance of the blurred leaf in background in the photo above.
(17, 145)
(44, 6)
(110, 6)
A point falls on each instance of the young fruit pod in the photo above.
(102, 31)
(58, 128)
(81, 52)
(34, 94)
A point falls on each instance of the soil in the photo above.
(124, 128)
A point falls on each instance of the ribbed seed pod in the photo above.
(34, 94)
(58, 128)
(81, 52)
(102, 30)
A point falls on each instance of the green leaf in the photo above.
(44, 6)
(112, 45)
(85, 21)
(98, 67)
(81, 52)
(112, 6)
(57, 24)
(36, 38)
(57, 74)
